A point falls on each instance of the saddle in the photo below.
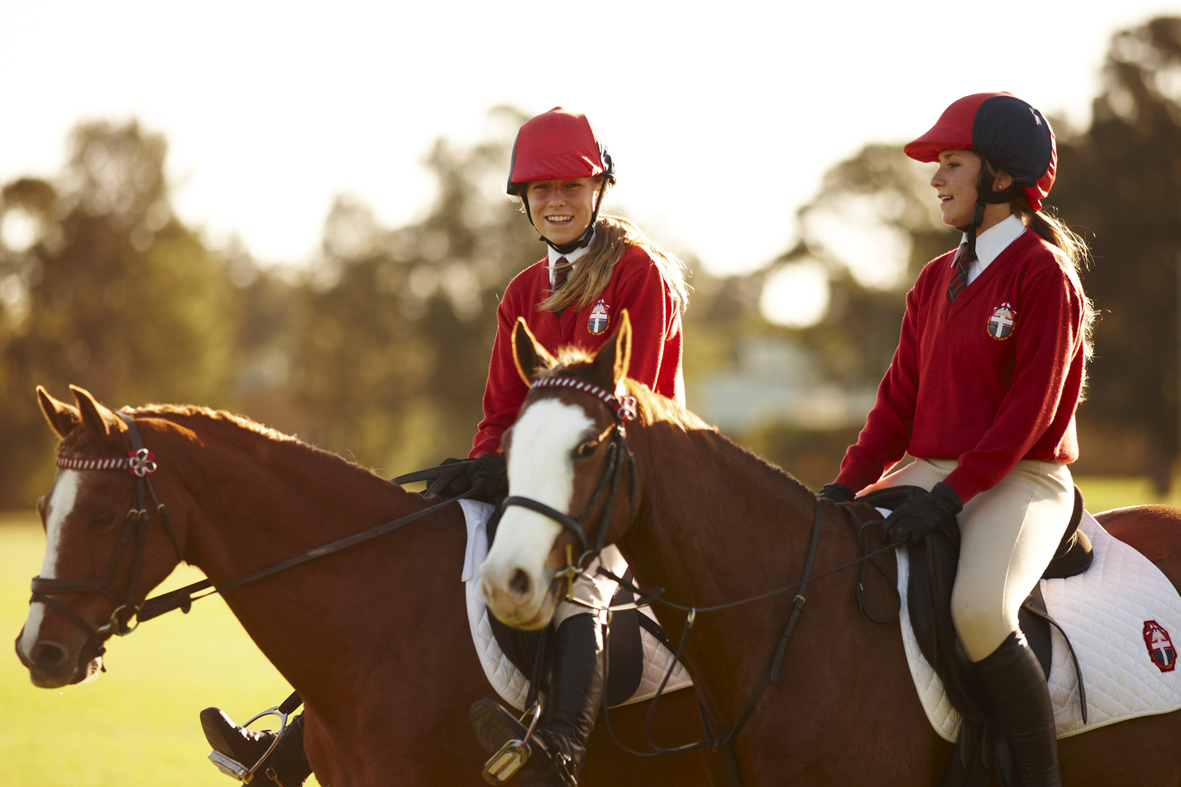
(934, 561)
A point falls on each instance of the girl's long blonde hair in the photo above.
(594, 269)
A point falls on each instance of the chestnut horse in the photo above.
(713, 524)
(375, 638)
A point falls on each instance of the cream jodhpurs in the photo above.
(1008, 535)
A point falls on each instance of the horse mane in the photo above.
(242, 432)
(655, 408)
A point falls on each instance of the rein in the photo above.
(141, 463)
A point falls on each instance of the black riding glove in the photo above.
(837, 493)
(488, 475)
(914, 519)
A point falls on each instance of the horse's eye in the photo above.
(101, 520)
(585, 449)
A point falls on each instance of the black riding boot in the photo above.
(558, 746)
(1020, 699)
(288, 764)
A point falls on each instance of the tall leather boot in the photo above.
(558, 747)
(287, 765)
(1020, 699)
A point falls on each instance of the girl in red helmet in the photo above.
(982, 391)
(595, 268)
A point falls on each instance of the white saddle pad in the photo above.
(1116, 614)
(510, 683)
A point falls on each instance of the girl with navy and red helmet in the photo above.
(982, 391)
(595, 268)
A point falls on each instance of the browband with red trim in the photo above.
(624, 407)
(139, 463)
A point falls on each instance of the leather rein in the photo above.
(141, 463)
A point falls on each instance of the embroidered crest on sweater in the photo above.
(599, 318)
(1001, 323)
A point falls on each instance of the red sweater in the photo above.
(636, 285)
(990, 379)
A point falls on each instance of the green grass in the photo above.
(136, 724)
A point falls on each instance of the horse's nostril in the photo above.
(48, 655)
(519, 584)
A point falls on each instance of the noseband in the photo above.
(140, 462)
(624, 409)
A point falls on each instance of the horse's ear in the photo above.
(61, 416)
(528, 354)
(98, 418)
(616, 354)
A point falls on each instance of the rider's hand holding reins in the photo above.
(916, 518)
(837, 493)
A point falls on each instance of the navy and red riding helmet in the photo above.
(560, 145)
(1007, 131)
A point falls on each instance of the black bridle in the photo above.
(618, 457)
(140, 463)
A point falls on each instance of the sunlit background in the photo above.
(296, 212)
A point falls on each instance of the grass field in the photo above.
(137, 724)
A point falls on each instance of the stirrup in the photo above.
(236, 770)
(503, 765)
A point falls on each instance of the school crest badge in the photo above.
(1160, 647)
(1002, 322)
(599, 319)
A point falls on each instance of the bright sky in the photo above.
(722, 117)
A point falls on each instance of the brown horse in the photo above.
(712, 524)
(375, 638)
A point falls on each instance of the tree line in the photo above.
(379, 349)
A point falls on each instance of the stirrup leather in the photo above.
(503, 765)
(243, 773)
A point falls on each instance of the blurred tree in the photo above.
(396, 326)
(101, 286)
(1121, 181)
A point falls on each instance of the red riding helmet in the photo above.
(557, 145)
(1004, 129)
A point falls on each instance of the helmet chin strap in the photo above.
(582, 240)
(985, 196)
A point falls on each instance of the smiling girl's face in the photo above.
(562, 209)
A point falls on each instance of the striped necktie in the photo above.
(561, 274)
(959, 277)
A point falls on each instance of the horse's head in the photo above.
(106, 543)
(571, 476)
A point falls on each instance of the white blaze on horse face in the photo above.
(541, 467)
(61, 503)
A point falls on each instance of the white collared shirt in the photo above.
(991, 242)
(555, 255)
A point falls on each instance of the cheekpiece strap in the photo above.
(624, 407)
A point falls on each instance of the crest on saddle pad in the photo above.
(1160, 647)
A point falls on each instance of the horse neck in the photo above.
(717, 524)
(253, 500)
(258, 497)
